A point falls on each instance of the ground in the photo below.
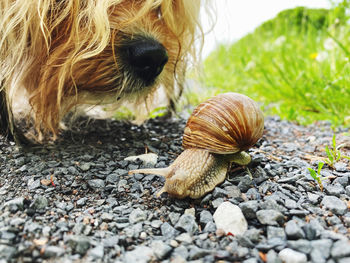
(73, 201)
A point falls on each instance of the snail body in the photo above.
(217, 133)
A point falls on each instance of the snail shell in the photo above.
(216, 134)
(227, 123)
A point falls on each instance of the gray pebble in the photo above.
(79, 244)
(323, 248)
(293, 230)
(96, 183)
(96, 253)
(137, 215)
(210, 227)
(53, 251)
(334, 204)
(301, 245)
(160, 249)
(341, 249)
(140, 254)
(205, 217)
(167, 230)
(233, 191)
(334, 189)
(187, 223)
(40, 203)
(249, 208)
(270, 217)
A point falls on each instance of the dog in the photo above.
(58, 54)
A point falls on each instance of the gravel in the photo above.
(73, 201)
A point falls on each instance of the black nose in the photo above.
(145, 57)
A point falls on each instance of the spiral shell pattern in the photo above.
(224, 124)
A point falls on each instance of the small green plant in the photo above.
(334, 154)
(317, 175)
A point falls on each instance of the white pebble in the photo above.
(147, 158)
(230, 218)
(288, 255)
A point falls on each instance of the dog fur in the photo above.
(58, 54)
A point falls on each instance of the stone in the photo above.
(167, 230)
(197, 253)
(7, 252)
(160, 249)
(137, 215)
(187, 223)
(310, 231)
(334, 204)
(33, 184)
(107, 217)
(249, 208)
(334, 189)
(149, 159)
(313, 198)
(293, 230)
(210, 227)
(140, 254)
(97, 252)
(79, 244)
(275, 232)
(39, 203)
(184, 238)
(270, 217)
(301, 245)
(272, 257)
(233, 191)
(18, 203)
(288, 255)
(174, 217)
(205, 216)
(290, 204)
(341, 249)
(321, 249)
(53, 251)
(96, 183)
(229, 217)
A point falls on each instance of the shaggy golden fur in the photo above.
(60, 54)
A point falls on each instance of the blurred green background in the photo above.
(296, 65)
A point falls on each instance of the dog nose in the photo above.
(147, 58)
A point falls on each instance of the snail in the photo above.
(218, 132)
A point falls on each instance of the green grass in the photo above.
(296, 65)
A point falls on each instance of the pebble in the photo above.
(167, 230)
(79, 244)
(341, 249)
(40, 203)
(230, 218)
(147, 158)
(160, 249)
(96, 183)
(137, 215)
(270, 217)
(293, 230)
(288, 255)
(53, 251)
(249, 208)
(141, 254)
(334, 204)
(187, 223)
(97, 252)
(205, 217)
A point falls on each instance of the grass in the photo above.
(296, 65)
(333, 156)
